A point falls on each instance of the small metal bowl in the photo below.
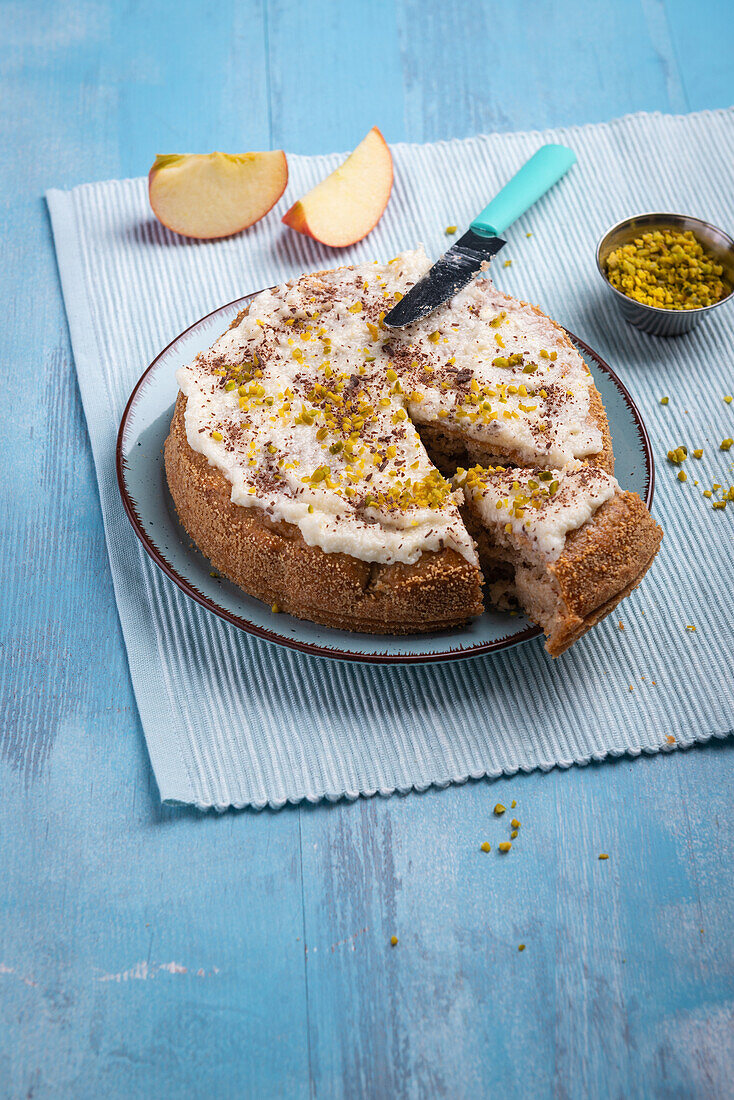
(665, 322)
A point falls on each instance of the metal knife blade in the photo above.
(447, 277)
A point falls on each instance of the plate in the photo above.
(150, 509)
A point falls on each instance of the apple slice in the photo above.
(345, 206)
(217, 194)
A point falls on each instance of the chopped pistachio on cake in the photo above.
(312, 408)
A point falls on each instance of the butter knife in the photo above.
(482, 240)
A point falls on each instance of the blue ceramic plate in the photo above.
(142, 481)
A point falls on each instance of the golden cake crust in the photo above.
(601, 563)
(272, 561)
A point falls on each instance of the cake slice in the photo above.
(567, 544)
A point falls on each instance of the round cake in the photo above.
(312, 450)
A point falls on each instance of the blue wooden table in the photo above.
(158, 952)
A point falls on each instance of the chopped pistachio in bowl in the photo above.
(666, 271)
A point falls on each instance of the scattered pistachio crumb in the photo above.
(677, 455)
(505, 846)
(499, 809)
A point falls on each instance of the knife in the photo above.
(482, 240)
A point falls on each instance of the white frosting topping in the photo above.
(537, 507)
(308, 405)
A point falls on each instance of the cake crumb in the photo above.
(485, 846)
(521, 946)
(603, 855)
(499, 810)
(393, 941)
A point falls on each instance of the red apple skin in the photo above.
(203, 237)
(297, 217)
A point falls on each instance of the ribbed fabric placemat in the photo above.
(232, 721)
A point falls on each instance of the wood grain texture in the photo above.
(155, 952)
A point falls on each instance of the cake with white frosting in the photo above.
(312, 449)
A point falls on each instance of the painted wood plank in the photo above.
(702, 38)
(142, 951)
(335, 71)
(622, 956)
(521, 66)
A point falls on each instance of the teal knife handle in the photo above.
(525, 188)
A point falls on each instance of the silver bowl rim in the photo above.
(643, 305)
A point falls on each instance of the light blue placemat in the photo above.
(231, 721)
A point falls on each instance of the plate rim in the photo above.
(312, 648)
